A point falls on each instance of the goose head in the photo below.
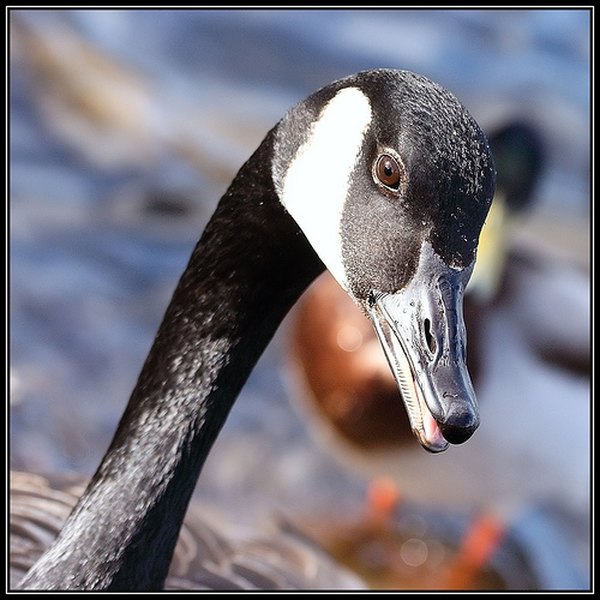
(390, 179)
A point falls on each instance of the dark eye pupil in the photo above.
(387, 171)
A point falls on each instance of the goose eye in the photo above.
(388, 172)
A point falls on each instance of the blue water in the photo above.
(110, 187)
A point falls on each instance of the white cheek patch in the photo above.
(316, 183)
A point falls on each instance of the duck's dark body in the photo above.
(251, 264)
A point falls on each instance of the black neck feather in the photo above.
(247, 270)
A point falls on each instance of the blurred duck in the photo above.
(528, 341)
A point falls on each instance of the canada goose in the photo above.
(383, 178)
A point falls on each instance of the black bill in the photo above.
(422, 331)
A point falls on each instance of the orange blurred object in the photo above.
(383, 495)
(477, 547)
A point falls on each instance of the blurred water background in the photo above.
(126, 127)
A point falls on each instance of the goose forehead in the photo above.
(315, 186)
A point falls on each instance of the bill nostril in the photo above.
(429, 338)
